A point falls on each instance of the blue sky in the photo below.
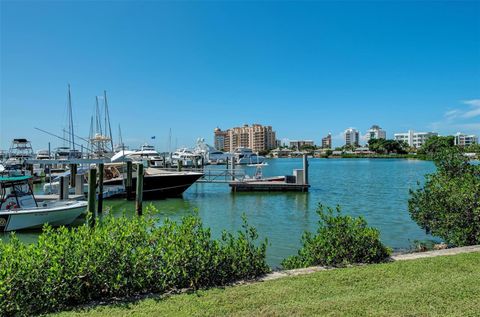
(306, 68)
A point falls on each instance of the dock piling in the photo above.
(79, 185)
(73, 174)
(92, 180)
(305, 169)
(139, 191)
(128, 185)
(100, 187)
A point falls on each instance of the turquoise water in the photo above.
(374, 188)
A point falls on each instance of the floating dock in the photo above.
(298, 182)
(268, 186)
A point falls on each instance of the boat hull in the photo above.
(36, 218)
(161, 186)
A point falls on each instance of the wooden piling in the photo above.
(73, 174)
(139, 190)
(128, 184)
(79, 185)
(100, 187)
(92, 180)
(179, 165)
(61, 188)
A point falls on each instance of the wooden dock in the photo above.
(268, 186)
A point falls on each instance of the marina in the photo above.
(376, 189)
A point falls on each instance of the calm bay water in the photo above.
(374, 188)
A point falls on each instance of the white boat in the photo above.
(210, 154)
(20, 210)
(244, 156)
(187, 156)
(146, 153)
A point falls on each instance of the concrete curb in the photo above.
(399, 257)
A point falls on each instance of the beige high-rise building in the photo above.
(257, 137)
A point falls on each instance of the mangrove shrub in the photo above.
(448, 204)
(339, 240)
(121, 257)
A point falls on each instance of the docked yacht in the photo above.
(210, 154)
(145, 153)
(244, 156)
(20, 210)
(157, 183)
(187, 157)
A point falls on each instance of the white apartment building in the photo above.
(462, 139)
(375, 132)
(352, 137)
(414, 139)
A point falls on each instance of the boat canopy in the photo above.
(14, 179)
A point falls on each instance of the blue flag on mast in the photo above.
(153, 137)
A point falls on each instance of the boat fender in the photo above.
(11, 205)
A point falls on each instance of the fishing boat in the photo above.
(20, 210)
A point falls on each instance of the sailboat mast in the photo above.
(107, 119)
(91, 135)
(170, 141)
(98, 119)
(70, 122)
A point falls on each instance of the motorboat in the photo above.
(210, 154)
(20, 210)
(65, 153)
(145, 153)
(244, 156)
(187, 157)
(43, 155)
(157, 183)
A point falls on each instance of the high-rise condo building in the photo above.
(352, 137)
(375, 132)
(257, 137)
(327, 142)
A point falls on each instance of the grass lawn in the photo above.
(441, 286)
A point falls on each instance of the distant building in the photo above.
(414, 139)
(352, 137)
(300, 143)
(257, 137)
(219, 139)
(327, 142)
(375, 132)
(462, 139)
(281, 152)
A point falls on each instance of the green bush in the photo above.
(121, 257)
(448, 204)
(340, 240)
